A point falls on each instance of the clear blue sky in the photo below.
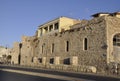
(22, 17)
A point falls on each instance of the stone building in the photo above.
(77, 45)
(57, 25)
(15, 53)
(5, 53)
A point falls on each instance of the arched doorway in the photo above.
(116, 47)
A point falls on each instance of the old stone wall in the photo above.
(27, 50)
(15, 53)
(113, 28)
(53, 49)
(85, 47)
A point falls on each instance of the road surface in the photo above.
(51, 75)
(9, 76)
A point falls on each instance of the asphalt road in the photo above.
(33, 78)
(9, 76)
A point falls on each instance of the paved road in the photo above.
(9, 76)
(68, 74)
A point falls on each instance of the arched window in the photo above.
(116, 40)
(85, 44)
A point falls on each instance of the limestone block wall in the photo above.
(87, 46)
(113, 28)
(69, 45)
(15, 53)
(116, 54)
(27, 51)
(69, 48)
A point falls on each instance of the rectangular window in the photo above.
(66, 61)
(32, 59)
(52, 48)
(51, 28)
(40, 60)
(67, 46)
(51, 60)
(56, 26)
(46, 29)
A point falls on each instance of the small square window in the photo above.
(51, 60)
(40, 60)
(66, 61)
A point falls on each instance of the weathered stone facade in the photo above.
(5, 54)
(87, 46)
(15, 53)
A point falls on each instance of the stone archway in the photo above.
(116, 47)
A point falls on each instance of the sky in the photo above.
(22, 17)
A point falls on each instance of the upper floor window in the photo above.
(56, 26)
(51, 28)
(46, 29)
